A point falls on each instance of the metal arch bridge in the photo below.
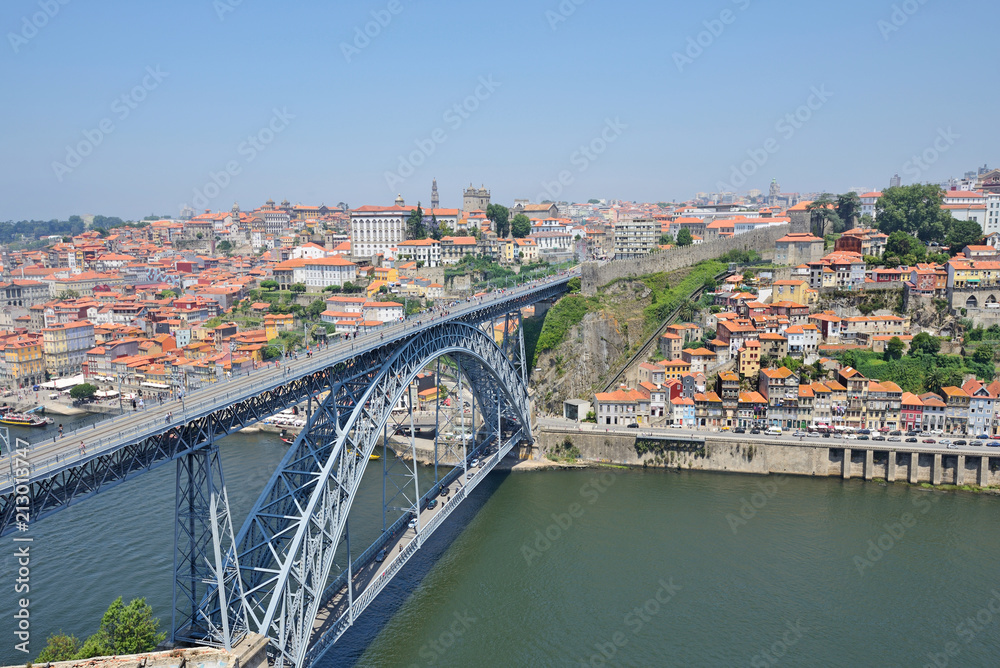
(290, 573)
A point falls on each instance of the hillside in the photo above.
(582, 341)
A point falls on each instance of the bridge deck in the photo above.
(47, 458)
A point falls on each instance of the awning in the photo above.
(156, 386)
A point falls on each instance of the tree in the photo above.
(684, 237)
(415, 228)
(224, 246)
(270, 352)
(60, 647)
(823, 211)
(167, 294)
(593, 201)
(200, 235)
(316, 308)
(297, 287)
(984, 354)
(69, 294)
(500, 216)
(666, 239)
(915, 210)
(520, 227)
(900, 243)
(925, 344)
(848, 206)
(83, 391)
(894, 349)
(964, 233)
(125, 629)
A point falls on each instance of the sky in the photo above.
(137, 108)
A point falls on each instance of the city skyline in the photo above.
(724, 96)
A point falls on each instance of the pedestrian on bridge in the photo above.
(83, 450)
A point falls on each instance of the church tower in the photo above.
(435, 202)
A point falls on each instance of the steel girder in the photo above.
(287, 545)
(105, 470)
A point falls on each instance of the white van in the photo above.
(773, 431)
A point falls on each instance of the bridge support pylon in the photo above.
(208, 594)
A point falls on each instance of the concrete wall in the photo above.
(594, 274)
(811, 458)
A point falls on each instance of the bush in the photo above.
(566, 313)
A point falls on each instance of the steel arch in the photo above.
(286, 547)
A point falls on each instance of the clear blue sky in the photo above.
(686, 127)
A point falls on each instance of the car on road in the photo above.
(952, 446)
(799, 434)
(864, 437)
(961, 442)
(878, 437)
(481, 463)
(976, 444)
(814, 434)
(636, 426)
(993, 444)
(866, 432)
(928, 440)
(739, 430)
(913, 433)
(474, 463)
(412, 523)
(432, 504)
(381, 555)
(851, 437)
(895, 439)
(444, 491)
(983, 437)
(895, 432)
(755, 430)
(911, 439)
(944, 441)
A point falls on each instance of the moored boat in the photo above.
(24, 419)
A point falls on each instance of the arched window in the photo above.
(992, 299)
(972, 302)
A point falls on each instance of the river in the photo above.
(595, 567)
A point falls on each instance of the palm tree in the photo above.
(848, 206)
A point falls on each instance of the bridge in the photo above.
(290, 573)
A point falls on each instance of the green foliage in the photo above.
(964, 233)
(894, 349)
(297, 287)
(915, 210)
(848, 206)
(69, 294)
(224, 246)
(83, 391)
(563, 315)
(670, 299)
(520, 226)
(316, 308)
(269, 285)
(740, 257)
(59, 647)
(270, 352)
(125, 629)
(167, 294)
(574, 285)
(667, 239)
(925, 344)
(984, 354)
(415, 228)
(500, 216)
(213, 322)
(684, 237)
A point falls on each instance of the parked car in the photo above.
(913, 433)
(432, 504)
(381, 555)
(635, 425)
(993, 444)
(813, 434)
(412, 523)
(895, 439)
(444, 491)
(799, 434)
(866, 432)
(851, 437)
(983, 437)
(961, 442)
(864, 437)
(474, 463)
(878, 437)
(952, 446)
(739, 430)
(755, 430)
(895, 432)
(944, 441)
(929, 440)
(911, 439)
(976, 444)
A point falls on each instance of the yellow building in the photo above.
(749, 359)
(386, 274)
(528, 250)
(794, 291)
(275, 324)
(65, 347)
(24, 363)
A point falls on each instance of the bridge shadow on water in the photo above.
(352, 645)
